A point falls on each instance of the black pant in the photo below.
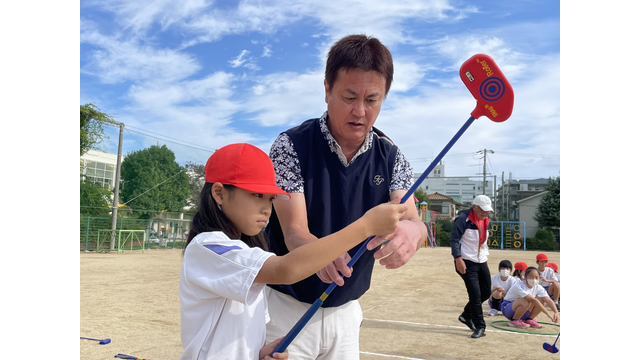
(477, 280)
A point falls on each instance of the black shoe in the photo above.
(479, 332)
(467, 322)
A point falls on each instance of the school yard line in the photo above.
(393, 356)
(455, 327)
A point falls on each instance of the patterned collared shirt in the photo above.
(287, 166)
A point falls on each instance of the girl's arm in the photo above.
(541, 306)
(308, 259)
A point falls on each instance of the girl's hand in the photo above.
(555, 317)
(267, 349)
(383, 219)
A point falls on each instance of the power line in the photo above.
(164, 138)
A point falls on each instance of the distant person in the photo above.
(548, 279)
(500, 284)
(524, 302)
(470, 252)
(518, 273)
(226, 264)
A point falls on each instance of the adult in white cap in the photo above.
(470, 250)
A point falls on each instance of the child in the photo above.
(548, 278)
(554, 266)
(523, 302)
(500, 284)
(518, 273)
(226, 264)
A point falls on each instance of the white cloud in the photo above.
(114, 60)
(266, 51)
(287, 98)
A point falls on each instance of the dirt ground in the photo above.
(410, 313)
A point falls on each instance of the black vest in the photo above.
(335, 197)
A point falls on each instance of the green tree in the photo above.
(196, 182)
(548, 213)
(91, 126)
(94, 199)
(153, 182)
(421, 195)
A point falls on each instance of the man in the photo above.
(470, 250)
(335, 168)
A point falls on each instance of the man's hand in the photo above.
(330, 273)
(460, 266)
(402, 245)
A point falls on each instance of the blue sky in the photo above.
(197, 75)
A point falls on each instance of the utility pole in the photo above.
(116, 190)
(484, 169)
(503, 190)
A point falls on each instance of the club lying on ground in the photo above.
(551, 348)
(128, 357)
(494, 96)
(102, 341)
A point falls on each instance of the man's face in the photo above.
(354, 104)
(480, 214)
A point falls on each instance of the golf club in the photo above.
(494, 96)
(102, 341)
(551, 348)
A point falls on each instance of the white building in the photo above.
(526, 210)
(99, 167)
(456, 187)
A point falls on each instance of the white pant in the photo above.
(332, 333)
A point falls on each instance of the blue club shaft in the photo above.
(295, 330)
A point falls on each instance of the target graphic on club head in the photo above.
(492, 89)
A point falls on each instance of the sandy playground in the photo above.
(410, 313)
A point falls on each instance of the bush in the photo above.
(544, 234)
(541, 244)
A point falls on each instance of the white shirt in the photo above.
(223, 313)
(469, 246)
(548, 273)
(520, 290)
(506, 284)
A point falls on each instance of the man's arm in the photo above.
(295, 229)
(404, 242)
(454, 241)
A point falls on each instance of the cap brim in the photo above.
(486, 208)
(265, 189)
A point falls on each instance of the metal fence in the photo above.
(160, 233)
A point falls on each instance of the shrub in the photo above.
(544, 234)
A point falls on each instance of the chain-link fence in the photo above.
(159, 233)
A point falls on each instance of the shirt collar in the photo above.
(335, 147)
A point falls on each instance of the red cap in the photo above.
(553, 266)
(520, 266)
(243, 166)
(540, 257)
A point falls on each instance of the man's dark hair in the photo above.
(359, 52)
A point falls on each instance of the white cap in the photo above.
(483, 202)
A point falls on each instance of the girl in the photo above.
(500, 285)
(226, 264)
(522, 302)
(518, 273)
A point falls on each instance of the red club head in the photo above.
(489, 86)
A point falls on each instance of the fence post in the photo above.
(86, 235)
(524, 225)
